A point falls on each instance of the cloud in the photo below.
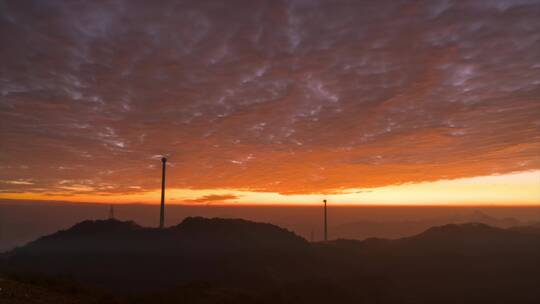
(17, 182)
(289, 97)
(212, 198)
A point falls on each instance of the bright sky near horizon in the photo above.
(271, 102)
(515, 189)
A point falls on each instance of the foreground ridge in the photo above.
(249, 257)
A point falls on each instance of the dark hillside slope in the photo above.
(115, 254)
(531, 229)
(465, 263)
(458, 263)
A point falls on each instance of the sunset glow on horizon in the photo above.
(517, 189)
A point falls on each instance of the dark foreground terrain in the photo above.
(236, 261)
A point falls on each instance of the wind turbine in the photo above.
(325, 223)
(111, 212)
(162, 210)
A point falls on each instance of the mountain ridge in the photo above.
(245, 255)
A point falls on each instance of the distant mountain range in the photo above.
(246, 262)
(397, 229)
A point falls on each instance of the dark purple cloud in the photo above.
(288, 96)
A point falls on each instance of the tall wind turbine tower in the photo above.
(325, 223)
(111, 212)
(162, 210)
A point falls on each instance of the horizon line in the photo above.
(4, 201)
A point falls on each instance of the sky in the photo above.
(271, 102)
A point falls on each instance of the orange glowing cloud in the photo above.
(277, 98)
(501, 190)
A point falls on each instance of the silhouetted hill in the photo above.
(441, 263)
(87, 236)
(246, 262)
(192, 234)
(99, 227)
(478, 216)
(237, 233)
(403, 228)
(532, 228)
(115, 254)
(471, 239)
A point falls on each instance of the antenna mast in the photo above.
(325, 223)
(111, 212)
(162, 210)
